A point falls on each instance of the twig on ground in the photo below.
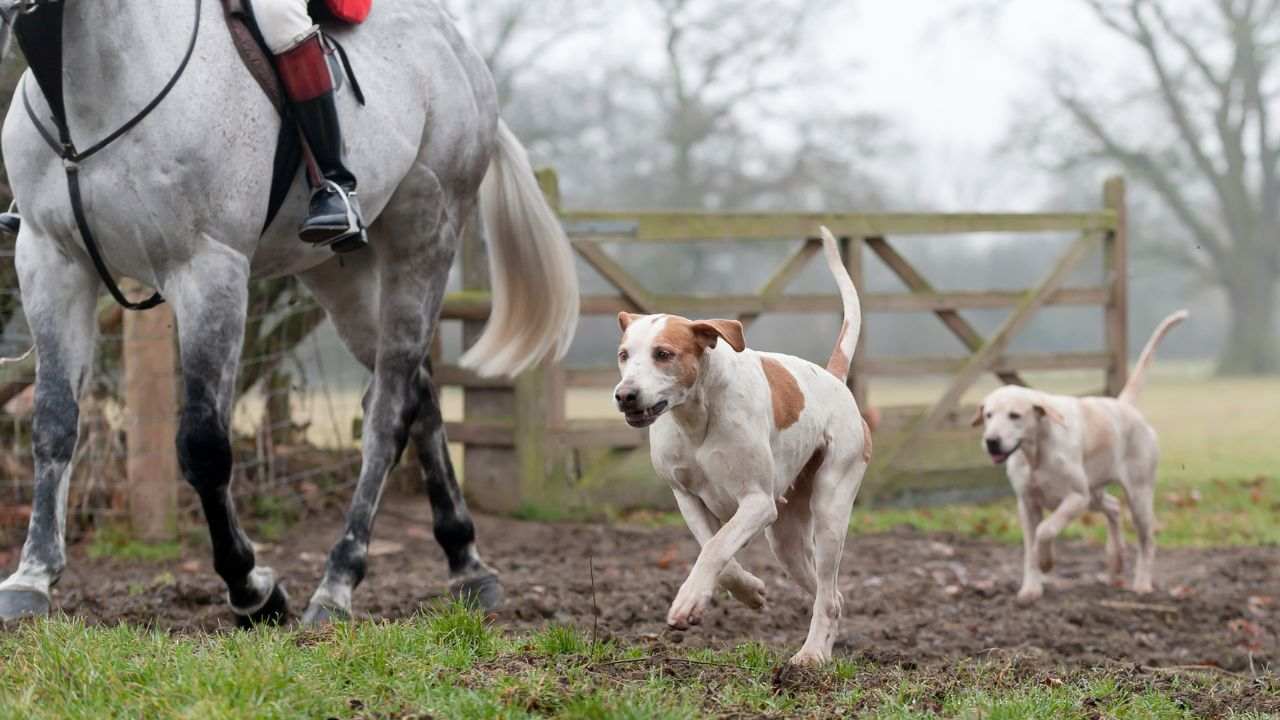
(670, 659)
(1141, 607)
(1182, 669)
(595, 607)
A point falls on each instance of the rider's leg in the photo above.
(334, 215)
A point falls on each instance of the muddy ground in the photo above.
(911, 598)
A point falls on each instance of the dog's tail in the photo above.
(1131, 389)
(842, 355)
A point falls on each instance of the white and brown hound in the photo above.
(751, 441)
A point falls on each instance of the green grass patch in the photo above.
(451, 663)
(114, 542)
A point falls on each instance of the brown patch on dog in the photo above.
(838, 365)
(788, 400)
(710, 331)
(678, 336)
(1097, 428)
(871, 416)
(866, 438)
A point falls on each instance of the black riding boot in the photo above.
(334, 218)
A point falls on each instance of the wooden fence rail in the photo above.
(522, 452)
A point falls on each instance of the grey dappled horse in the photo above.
(178, 203)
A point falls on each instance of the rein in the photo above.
(65, 147)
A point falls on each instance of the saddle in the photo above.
(291, 150)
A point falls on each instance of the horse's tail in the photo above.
(535, 286)
(847, 342)
(1131, 389)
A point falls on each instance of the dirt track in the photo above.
(910, 597)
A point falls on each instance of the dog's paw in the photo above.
(690, 603)
(746, 589)
(1143, 587)
(1028, 595)
(808, 657)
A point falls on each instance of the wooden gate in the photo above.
(524, 454)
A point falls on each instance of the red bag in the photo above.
(348, 11)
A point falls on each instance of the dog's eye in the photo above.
(622, 356)
(662, 355)
(1015, 416)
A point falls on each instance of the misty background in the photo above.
(945, 105)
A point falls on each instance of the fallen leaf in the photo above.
(380, 548)
(417, 533)
(668, 557)
(1259, 605)
(1182, 591)
(942, 549)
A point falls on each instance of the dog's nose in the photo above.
(627, 398)
(993, 445)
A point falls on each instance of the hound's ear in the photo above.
(625, 319)
(709, 331)
(977, 418)
(1044, 411)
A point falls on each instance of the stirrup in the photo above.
(328, 235)
(11, 221)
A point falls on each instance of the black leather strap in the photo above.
(95, 254)
(346, 68)
(47, 66)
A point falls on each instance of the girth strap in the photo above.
(39, 33)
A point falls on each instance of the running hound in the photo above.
(1061, 452)
(751, 441)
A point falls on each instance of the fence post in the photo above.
(151, 411)
(1115, 263)
(507, 479)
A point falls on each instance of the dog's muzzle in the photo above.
(999, 456)
(645, 418)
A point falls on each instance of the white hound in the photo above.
(1062, 452)
(751, 441)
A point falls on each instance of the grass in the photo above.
(114, 542)
(449, 663)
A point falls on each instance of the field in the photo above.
(930, 629)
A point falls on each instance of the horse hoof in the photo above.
(321, 615)
(274, 612)
(479, 593)
(17, 604)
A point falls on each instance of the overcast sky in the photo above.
(950, 83)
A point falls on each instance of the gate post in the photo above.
(151, 412)
(1115, 263)
(515, 475)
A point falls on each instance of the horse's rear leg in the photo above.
(210, 299)
(348, 292)
(471, 580)
(60, 300)
(413, 246)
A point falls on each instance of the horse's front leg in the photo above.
(60, 300)
(210, 298)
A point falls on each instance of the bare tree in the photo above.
(1196, 127)
(731, 111)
